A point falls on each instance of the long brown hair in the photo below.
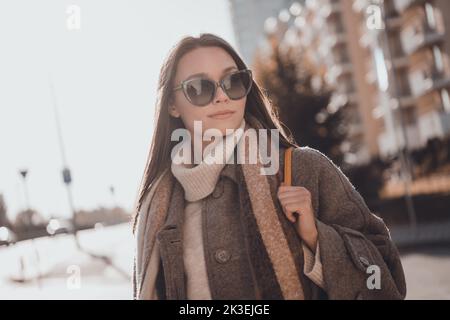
(257, 109)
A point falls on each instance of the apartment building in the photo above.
(415, 45)
(395, 76)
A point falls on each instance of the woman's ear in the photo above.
(173, 111)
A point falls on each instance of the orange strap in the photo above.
(288, 166)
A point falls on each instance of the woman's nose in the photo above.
(220, 96)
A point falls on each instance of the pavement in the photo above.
(427, 272)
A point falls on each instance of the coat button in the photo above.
(222, 255)
(364, 261)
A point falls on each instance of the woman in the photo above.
(226, 231)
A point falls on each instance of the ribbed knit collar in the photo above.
(199, 181)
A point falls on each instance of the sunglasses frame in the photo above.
(184, 83)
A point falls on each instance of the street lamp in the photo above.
(24, 173)
(67, 176)
(113, 194)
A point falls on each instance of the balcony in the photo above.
(440, 83)
(445, 122)
(394, 22)
(412, 135)
(428, 37)
(389, 142)
(401, 95)
(434, 124)
(400, 62)
(435, 81)
(402, 5)
(406, 101)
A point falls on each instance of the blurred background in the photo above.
(364, 81)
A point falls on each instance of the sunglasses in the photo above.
(201, 91)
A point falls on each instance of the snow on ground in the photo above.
(66, 272)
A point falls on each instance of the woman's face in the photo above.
(214, 63)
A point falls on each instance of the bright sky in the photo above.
(105, 77)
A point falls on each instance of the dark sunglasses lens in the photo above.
(199, 91)
(237, 85)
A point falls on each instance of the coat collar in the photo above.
(175, 216)
(229, 171)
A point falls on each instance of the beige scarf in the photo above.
(152, 215)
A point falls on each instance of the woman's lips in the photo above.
(225, 115)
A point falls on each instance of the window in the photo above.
(430, 16)
(445, 100)
(438, 61)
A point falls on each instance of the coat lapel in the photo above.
(270, 227)
(170, 240)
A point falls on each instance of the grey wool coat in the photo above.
(356, 249)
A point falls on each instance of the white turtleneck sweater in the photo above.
(198, 182)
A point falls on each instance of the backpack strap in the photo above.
(288, 166)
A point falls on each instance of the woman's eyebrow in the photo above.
(206, 75)
(228, 69)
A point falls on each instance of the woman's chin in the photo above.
(224, 126)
